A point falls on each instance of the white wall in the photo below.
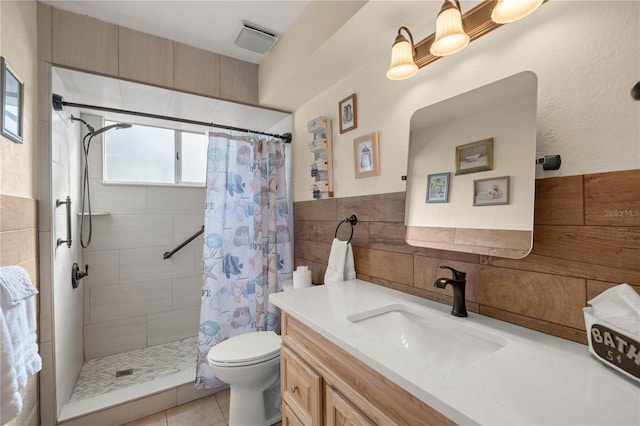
(133, 297)
(68, 313)
(586, 56)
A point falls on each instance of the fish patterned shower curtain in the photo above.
(247, 242)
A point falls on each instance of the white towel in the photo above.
(341, 266)
(16, 284)
(19, 350)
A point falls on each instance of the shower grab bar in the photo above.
(68, 204)
(168, 254)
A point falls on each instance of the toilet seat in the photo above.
(245, 349)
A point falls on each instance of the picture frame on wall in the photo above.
(348, 112)
(12, 103)
(438, 188)
(474, 157)
(366, 155)
(491, 191)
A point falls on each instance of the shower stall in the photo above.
(126, 336)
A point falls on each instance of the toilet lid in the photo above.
(249, 348)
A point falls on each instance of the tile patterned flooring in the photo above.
(212, 410)
(209, 411)
(98, 376)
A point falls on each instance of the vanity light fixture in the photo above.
(450, 36)
(407, 58)
(402, 53)
(511, 10)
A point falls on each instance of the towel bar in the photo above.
(351, 220)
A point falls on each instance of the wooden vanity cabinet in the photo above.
(324, 385)
(301, 388)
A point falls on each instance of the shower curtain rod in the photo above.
(59, 103)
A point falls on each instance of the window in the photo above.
(154, 155)
(193, 160)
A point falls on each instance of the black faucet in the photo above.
(458, 283)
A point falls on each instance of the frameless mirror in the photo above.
(471, 171)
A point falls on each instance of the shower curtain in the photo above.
(247, 241)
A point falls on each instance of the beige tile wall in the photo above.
(19, 170)
(18, 246)
(92, 45)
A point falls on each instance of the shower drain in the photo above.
(121, 373)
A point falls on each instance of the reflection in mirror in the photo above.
(482, 139)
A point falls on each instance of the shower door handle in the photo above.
(68, 205)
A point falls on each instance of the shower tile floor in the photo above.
(98, 376)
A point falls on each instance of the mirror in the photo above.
(471, 171)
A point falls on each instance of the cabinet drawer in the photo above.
(301, 388)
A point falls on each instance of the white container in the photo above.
(615, 347)
(302, 277)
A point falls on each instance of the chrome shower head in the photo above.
(113, 126)
(94, 132)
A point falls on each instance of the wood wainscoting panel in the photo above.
(612, 199)
(427, 270)
(569, 264)
(554, 329)
(303, 230)
(386, 234)
(547, 297)
(421, 235)
(617, 247)
(559, 201)
(387, 265)
(568, 268)
(373, 208)
(315, 210)
(313, 251)
(594, 288)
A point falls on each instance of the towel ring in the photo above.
(352, 220)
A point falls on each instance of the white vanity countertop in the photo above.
(535, 379)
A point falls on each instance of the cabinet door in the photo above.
(340, 412)
(301, 388)
(289, 418)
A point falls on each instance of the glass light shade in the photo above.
(402, 65)
(450, 36)
(511, 10)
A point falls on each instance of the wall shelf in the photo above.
(321, 168)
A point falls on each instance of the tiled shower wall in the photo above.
(133, 297)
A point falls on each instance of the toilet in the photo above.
(250, 364)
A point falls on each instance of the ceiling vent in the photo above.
(255, 38)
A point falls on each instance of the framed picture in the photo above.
(438, 188)
(348, 110)
(491, 192)
(366, 156)
(12, 103)
(474, 157)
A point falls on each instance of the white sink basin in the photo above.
(444, 342)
